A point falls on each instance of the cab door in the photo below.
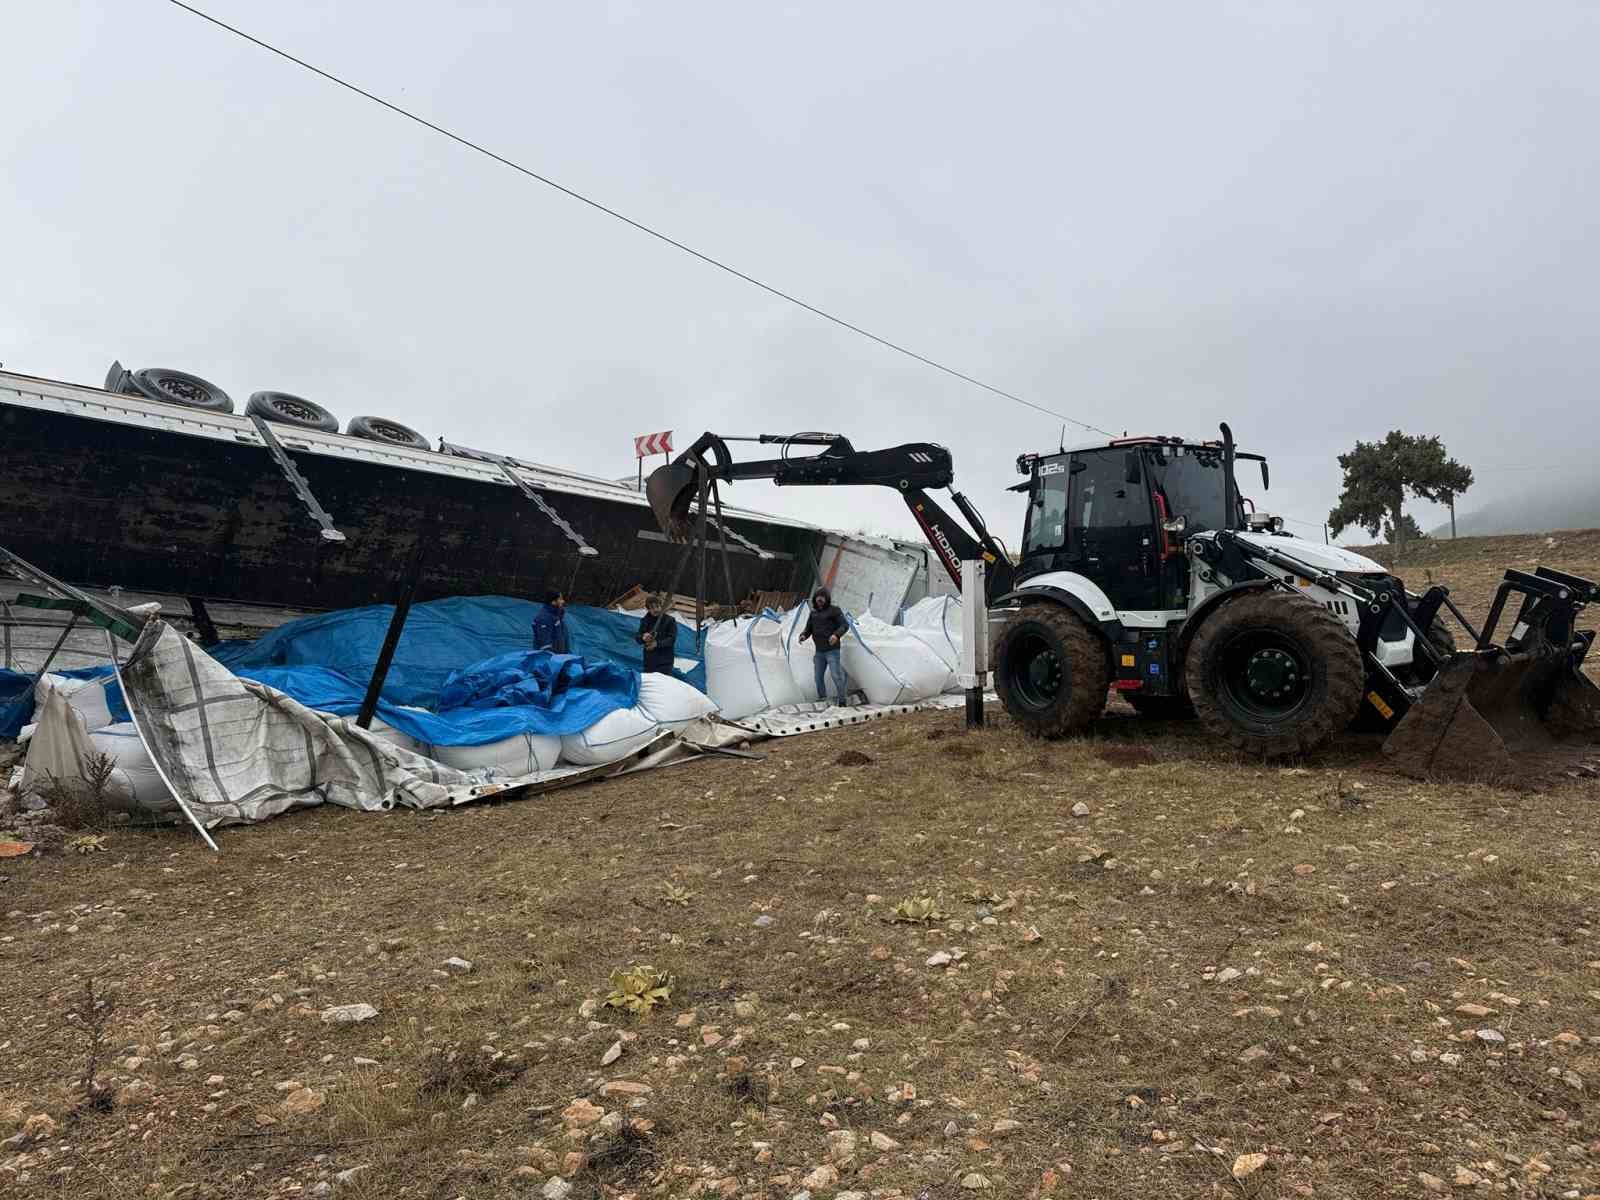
(1111, 527)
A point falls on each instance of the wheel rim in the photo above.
(1265, 673)
(182, 389)
(1036, 671)
(295, 410)
(390, 433)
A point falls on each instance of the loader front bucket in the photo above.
(1513, 714)
(671, 490)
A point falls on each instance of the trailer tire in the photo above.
(1162, 708)
(291, 410)
(1274, 674)
(1050, 671)
(179, 387)
(381, 429)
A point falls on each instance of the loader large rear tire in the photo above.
(1274, 674)
(1050, 671)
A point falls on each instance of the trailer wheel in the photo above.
(179, 387)
(291, 410)
(381, 429)
(1050, 671)
(1274, 674)
(1161, 708)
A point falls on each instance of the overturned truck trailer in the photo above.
(106, 489)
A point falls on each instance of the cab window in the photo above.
(1103, 501)
(1047, 511)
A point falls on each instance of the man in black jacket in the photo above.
(825, 628)
(658, 633)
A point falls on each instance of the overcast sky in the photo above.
(1316, 221)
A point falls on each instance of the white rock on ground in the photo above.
(457, 964)
(345, 1014)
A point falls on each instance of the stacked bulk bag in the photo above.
(519, 754)
(671, 703)
(747, 670)
(87, 697)
(665, 703)
(134, 786)
(936, 622)
(890, 664)
(614, 736)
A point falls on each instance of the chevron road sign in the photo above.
(652, 443)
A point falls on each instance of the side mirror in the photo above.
(1265, 486)
(1131, 470)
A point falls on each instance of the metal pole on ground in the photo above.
(391, 639)
(974, 639)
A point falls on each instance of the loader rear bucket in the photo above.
(1509, 715)
(671, 490)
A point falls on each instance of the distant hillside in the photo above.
(1472, 567)
(1575, 504)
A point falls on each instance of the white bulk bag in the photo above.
(936, 622)
(615, 735)
(86, 696)
(520, 754)
(890, 664)
(134, 783)
(672, 703)
(746, 669)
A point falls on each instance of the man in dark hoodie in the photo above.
(826, 627)
(658, 634)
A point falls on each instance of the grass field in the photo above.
(1317, 979)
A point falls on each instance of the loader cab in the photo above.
(1119, 515)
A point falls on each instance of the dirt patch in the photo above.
(1363, 977)
(1126, 756)
(853, 758)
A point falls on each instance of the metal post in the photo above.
(974, 639)
(397, 623)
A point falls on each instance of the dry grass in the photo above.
(1082, 998)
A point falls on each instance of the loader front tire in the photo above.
(1050, 671)
(1274, 674)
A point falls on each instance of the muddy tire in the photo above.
(1050, 671)
(1274, 674)
(1162, 708)
(291, 410)
(179, 387)
(381, 429)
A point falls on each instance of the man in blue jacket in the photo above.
(550, 624)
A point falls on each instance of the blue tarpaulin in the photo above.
(440, 638)
(481, 645)
(533, 692)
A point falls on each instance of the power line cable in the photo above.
(627, 220)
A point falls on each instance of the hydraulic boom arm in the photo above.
(910, 469)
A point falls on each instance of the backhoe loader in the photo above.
(1142, 570)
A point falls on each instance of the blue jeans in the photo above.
(828, 662)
